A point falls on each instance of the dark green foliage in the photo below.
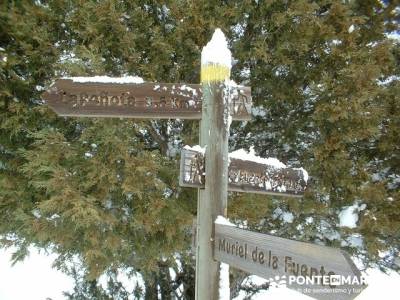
(107, 191)
(326, 109)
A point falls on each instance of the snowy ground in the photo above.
(34, 279)
(380, 286)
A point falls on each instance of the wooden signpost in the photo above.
(244, 176)
(269, 256)
(215, 102)
(137, 100)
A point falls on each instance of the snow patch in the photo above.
(106, 79)
(258, 111)
(196, 148)
(394, 35)
(354, 240)
(36, 213)
(172, 273)
(287, 217)
(388, 80)
(336, 42)
(216, 51)
(348, 217)
(305, 173)
(243, 155)
(224, 291)
(184, 87)
(351, 28)
(284, 216)
(221, 220)
(245, 73)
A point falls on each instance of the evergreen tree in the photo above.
(323, 78)
(317, 69)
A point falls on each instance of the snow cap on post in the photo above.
(216, 59)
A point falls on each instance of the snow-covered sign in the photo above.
(318, 271)
(119, 97)
(246, 173)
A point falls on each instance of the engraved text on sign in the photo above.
(244, 176)
(143, 100)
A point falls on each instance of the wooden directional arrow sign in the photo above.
(282, 260)
(244, 176)
(137, 100)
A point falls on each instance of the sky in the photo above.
(32, 279)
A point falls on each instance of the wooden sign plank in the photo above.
(244, 176)
(268, 256)
(137, 100)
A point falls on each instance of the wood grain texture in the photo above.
(268, 256)
(213, 199)
(145, 100)
(244, 176)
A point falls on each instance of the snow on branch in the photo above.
(107, 79)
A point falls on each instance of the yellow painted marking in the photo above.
(214, 73)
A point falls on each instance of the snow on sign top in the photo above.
(223, 221)
(106, 79)
(276, 163)
(243, 155)
(216, 51)
(197, 148)
(246, 173)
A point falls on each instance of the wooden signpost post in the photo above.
(215, 102)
